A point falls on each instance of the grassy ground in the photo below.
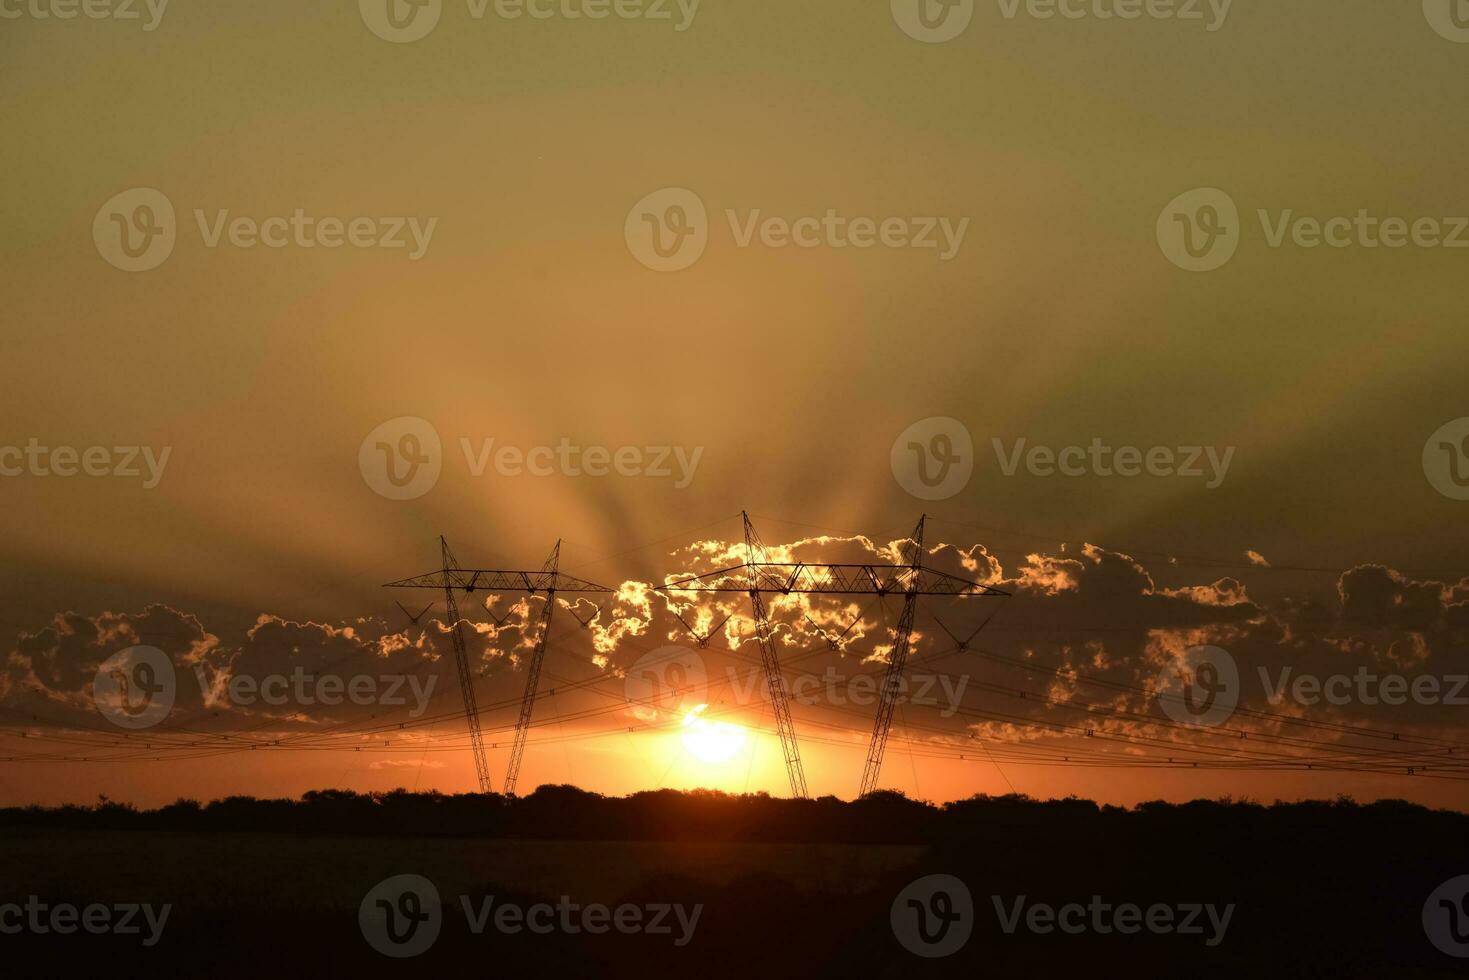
(332, 873)
(785, 888)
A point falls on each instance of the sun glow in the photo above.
(711, 741)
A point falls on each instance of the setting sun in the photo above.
(711, 741)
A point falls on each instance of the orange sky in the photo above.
(521, 153)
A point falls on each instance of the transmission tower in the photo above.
(780, 705)
(759, 577)
(887, 698)
(453, 577)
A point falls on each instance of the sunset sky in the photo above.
(784, 380)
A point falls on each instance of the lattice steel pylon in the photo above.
(887, 697)
(780, 704)
(549, 580)
(758, 576)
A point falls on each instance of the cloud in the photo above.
(1373, 595)
(51, 669)
(1089, 629)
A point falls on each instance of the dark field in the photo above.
(785, 888)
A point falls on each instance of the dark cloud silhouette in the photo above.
(1082, 642)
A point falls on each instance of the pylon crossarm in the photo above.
(808, 579)
(498, 580)
(735, 575)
